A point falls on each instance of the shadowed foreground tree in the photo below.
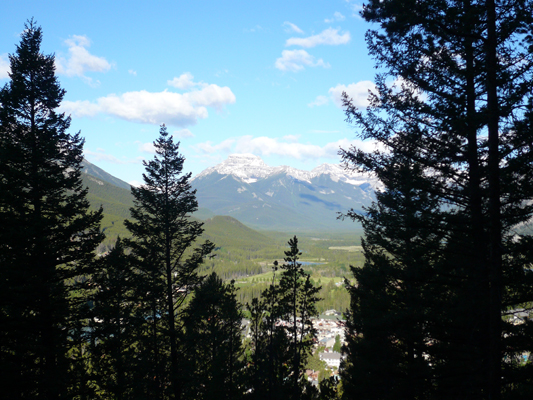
(115, 325)
(164, 236)
(297, 302)
(47, 235)
(454, 129)
(212, 342)
(282, 332)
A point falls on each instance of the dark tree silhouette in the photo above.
(282, 331)
(163, 238)
(459, 116)
(115, 324)
(47, 235)
(297, 302)
(212, 342)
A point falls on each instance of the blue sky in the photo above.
(224, 76)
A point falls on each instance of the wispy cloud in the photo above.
(132, 72)
(178, 109)
(297, 60)
(80, 60)
(5, 68)
(291, 138)
(290, 27)
(285, 147)
(256, 28)
(355, 7)
(185, 81)
(336, 17)
(209, 147)
(329, 36)
(183, 134)
(146, 147)
(319, 101)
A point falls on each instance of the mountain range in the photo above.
(260, 196)
(283, 198)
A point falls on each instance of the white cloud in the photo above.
(358, 92)
(80, 60)
(5, 67)
(356, 8)
(290, 27)
(291, 138)
(273, 146)
(336, 17)
(132, 72)
(210, 148)
(183, 134)
(222, 72)
(319, 101)
(329, 36)
(155, 108)
(211, 96)
(147, 147)
(80, 108)
(285, 147)
(185, 81)
(400, 84)
(297, 60)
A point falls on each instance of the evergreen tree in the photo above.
(298, 298)
(282, 331)
(270, 359)
(212, 342)
(163, 238)
(114, 324)
(459, 119)
(48, 237)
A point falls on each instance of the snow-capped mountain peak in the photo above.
(249, 168)
(246, 167)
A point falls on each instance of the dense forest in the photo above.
(437, 298)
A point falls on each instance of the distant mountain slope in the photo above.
(99, 173)
(226, 231)
(261, 197)
(283, 198)
(116, 202)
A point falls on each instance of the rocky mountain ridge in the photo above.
(283, 198)
(250, 168)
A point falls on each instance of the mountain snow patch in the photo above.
(251, 169)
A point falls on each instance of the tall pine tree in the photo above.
(460, 112)
(282, 331)
(48, 236)
(164, 236)
(298, 298)
(115, 325)
(212, 342)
